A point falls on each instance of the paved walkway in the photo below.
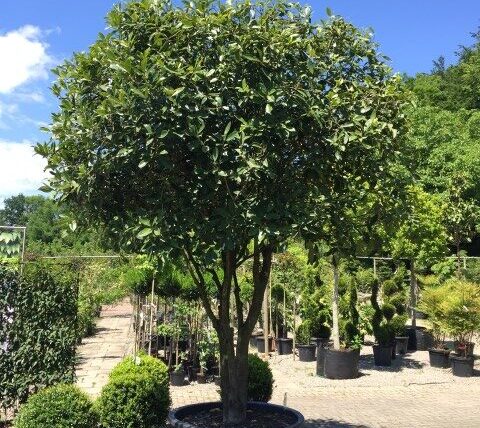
(97, 355)
(407, 395)
(410, 394)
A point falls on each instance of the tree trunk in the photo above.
(413, 293)
(234, 374)
(459, 263)
(335, 299)
(234, 357)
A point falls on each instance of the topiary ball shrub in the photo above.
(136, 396)
(388, 311)
(260, 379)
(143, 364)
(59, 406)
(303, 334)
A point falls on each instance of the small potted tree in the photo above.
(432, 304)
(341, 361)
(462, 321)
(306, 351)
(382, 329)
(399, 328)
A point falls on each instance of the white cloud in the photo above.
(24, 57)
(21, 170)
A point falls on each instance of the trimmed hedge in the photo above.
(136, 396)
(60, 406)
(260, 379)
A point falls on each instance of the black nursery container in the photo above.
(462, 366)
(439, 358)
(401, 344)
(261, 344)
(177, 378)
(382, 355)
(322, 346)
(306, 353)
(341, 364)
(284, 346)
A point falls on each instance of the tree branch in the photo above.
(200, 282)
(238, 300)
(260, 281)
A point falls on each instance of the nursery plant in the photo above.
(246, 119)
(59, 406)
(433, 303)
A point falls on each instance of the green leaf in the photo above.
(144, 232)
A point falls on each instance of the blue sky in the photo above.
(37, 34)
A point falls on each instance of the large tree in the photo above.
(212, 131)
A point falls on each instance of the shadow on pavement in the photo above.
(330, 423)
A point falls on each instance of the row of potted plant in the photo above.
(453, 310)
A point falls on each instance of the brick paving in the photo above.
(97, 355)
(409, 394)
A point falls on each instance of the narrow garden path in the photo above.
(98, 354)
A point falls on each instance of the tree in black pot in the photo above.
(382, 329)
(306, 351)
(461, 312)
(395, 294)
(432, 303)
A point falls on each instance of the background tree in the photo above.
(421, 236)
(210, 131)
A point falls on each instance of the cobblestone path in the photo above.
(410, 394)
(97, 355)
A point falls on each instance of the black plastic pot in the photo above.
(192, 373)
(382, 355)
(424, 339)
(217, 380)
(321, 352)
(253, 340)
(439, 358)
(284, 346)
(412, 338)
(177, 378)
(261, 344)
(176, 417)
(341, 364)
(394, 348)
(201, 378)
(306, 353)
(401, 344)
(317, 341)
(462, 366)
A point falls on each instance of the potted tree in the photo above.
(341, 361)
(382, 329)
(306, 351)
(432, 303)
(421, 238)
(462, 321)
(173, 132)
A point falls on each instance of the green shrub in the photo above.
(144, 364)
(136, 396)
(398, 325)
(260, 379)
(388, 311)
(319, 328)
(384, 334)
(303, 335)
(60, 406)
